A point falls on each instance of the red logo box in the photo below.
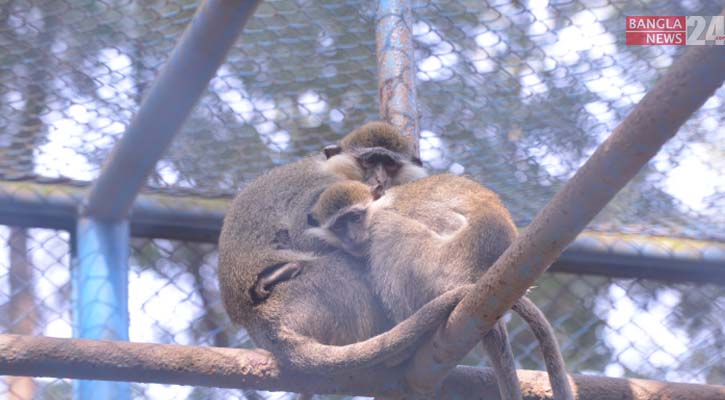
(656, 30)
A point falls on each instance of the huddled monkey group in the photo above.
(348, 259)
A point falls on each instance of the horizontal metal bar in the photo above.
(54, 206)
(258, 369)
(643, 256)
(199, 53)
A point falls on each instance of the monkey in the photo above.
(425, 238)
(307, 303)
(381, 156)
(254, 290)
(377, 154)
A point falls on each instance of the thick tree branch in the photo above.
(682, 90)
(258, 369)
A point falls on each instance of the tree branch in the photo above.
(258, 369)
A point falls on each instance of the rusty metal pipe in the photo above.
(258, 369)
(396, 67)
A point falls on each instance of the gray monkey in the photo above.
(306, 302)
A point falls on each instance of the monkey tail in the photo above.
(318, 358)
(553, 359)
(498, 347)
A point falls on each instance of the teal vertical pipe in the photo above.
(100, 295)
(100, 277)
(197, 56)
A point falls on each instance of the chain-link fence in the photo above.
(607, 326)
(35, 299)
(515, 94)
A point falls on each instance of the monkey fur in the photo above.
(379, 155)
(376, 154)
(307, 303)
(412, 230)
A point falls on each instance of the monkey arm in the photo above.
(307, 355)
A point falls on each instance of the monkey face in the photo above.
(350, 228)
(381, 154)
(346, 230)
(382, 168)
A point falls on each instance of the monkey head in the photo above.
(377, 154)
(340, 216)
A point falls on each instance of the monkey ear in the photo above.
(272, 276)
(332, 150)
(417, 161)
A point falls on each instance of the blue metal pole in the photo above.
(194, 61)
(100, 277)
(396, 67)
(100, 295)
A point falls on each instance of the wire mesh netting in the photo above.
(617, 327)
(514, 94)
(34, 299)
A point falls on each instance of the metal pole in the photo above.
(198, 219)
(259, 370)
(396, 67)
(100, 295)
(55, 206)
(192, 64)
(100, 277)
